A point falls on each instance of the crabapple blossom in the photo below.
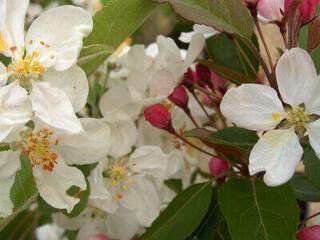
(307, 9)
(159, 117)
(50, 153)
(258, 107)
(218, 166)
(127, 189)
(42, 71)
(271, 10)
(150, 80)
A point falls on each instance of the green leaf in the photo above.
(312, 166)
(228, 16)
(232, 54)
(174, 184)
(213, 226)
(234, 136)
(304, 190)
(116, 21)
(23, 191)
(257, 212)
(182, 215)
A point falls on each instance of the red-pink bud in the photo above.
(307, 9)
(189, 79)
(159, 117)
(309, 233)
(99, 237)
(204, 75)
(220, 83)
(218, 166)
(179, 97)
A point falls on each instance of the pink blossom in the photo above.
(271, 10)
(218, 166)
(309, 233)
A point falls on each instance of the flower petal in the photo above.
(296, 76)
(12, 17)
(150, 160)
(52, 106)
(313, 130)
(15, 109)
(277, 152)
(113, 100)
(195, 48)
(63, 29)
(253, 106)
(143, 198)
(9, 165)
(124, 133)
(198, 28)
(53, 186)
(89, 146)
(73, 82)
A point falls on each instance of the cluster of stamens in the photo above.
(120, 175)
(297, 117)
(37, 146)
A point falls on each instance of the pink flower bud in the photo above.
(204, 75)
(180, 97)
(271, 10)
(220, 83)
(189, 79)
(309, 233)
(159, 117)
(99, 237)
(307, 10)
(218, 166)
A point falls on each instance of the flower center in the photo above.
(28, 65)
(3, 44)
(38, 147)
(297, 117)
(120, 173)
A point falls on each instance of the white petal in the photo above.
(253, 106)
(9, 165)
(208, 32)
(6, 205)
(52, 106)
(196, 46)
(150, 160)
(138, 64)
(152, 50)
(277, 152)
(114, 100)
(122, 225)
(313, 130)
(296, 76)
(89, 146)
(73, 82)
(52, 186)
(12, 16)
(15, 109)
(146, 202)
(63, 29)
(97, 184)
(124, 133)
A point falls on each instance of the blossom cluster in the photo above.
(152, 120)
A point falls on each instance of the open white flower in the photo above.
(198, 28)
(152, 79)
(43, 62)
(128, 190)
(49, 153)
(257, 107)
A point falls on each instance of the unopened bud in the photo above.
(179, 97)
(218, 166)
(159, 117)
(189, 80)
(100, 237)
(204, 75)
(307, 9)
(309, 233)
